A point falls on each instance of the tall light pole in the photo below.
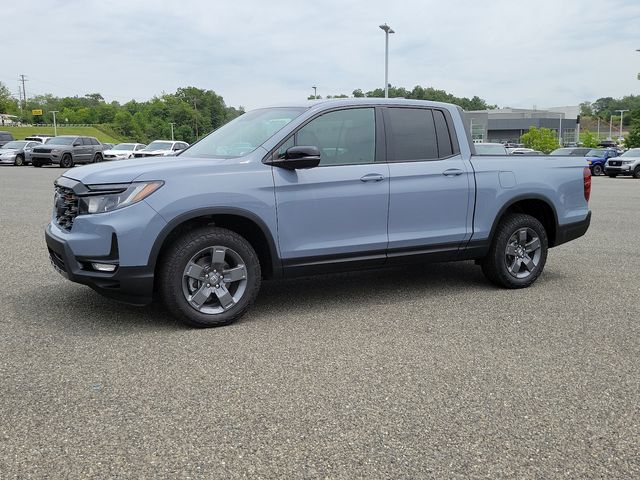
(621, 113)
(610, 123)
(55, 127)
(172, 124)
(387, 30)
(315, 93)
(560, 132)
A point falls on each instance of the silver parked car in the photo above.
(123, 151)
(15, 152)
(626, 164)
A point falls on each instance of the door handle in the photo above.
(452, 172)
(372, 177)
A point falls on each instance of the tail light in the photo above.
(586, 175)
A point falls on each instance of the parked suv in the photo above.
(597, 157)
(67, 151)
(5, 137)
(626, 164)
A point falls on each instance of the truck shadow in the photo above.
(78, 309)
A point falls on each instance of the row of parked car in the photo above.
(609, 161)
(69, 150)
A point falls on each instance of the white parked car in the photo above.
(161, 148)
(122, 151)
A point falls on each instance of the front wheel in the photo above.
(597, 170)
(209, 277)
(66, 161)
(19, 161)
(36, 163)
(636, 172)
(518, 252)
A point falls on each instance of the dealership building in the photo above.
(508, 124)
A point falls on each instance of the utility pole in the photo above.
(20, 97)
(387, 30)
(315, 93)
(560, 132)
(598, 128)
(24, 92)
(55, 127)
(621, 114)
(610, 123)
(172, 124)
(195, 106)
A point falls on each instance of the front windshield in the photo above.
(245, 133)
(562, 151)
(596, 152)
(15, 144)
(124, 146)
(61, 141)
(490, 149)
(159, 146)
(634, 152)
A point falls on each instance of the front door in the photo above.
(335, 213)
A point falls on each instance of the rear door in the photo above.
(430, 206)
(336, 212)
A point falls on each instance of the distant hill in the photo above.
(20, 132)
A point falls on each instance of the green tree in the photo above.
(633, 139)
(588, 139)
(542, 139)
(8, 104)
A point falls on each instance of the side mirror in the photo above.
(298, 158)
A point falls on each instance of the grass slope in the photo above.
(20, 132)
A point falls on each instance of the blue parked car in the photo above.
(597, 157)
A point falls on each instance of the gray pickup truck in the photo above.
(67, 151)
(311, 188)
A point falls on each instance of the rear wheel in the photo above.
(19, 161)
(66, 161)
(209, 277)
(97, 158)
(518, 252)
(597, 170)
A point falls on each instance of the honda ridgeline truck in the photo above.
(314, 188)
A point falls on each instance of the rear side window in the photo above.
(412, 135)
(86, 141)
(445, 146)
(95, 142)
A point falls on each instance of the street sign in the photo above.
(36, 112)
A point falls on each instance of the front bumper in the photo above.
(8, 160)
(132, 285)
(621, 170)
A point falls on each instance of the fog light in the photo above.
(103, 267)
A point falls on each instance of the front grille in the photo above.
(615, 164)
(65, 207)
(41, 150)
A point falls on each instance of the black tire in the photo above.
(612, 175)
(498, 263)
(66, 161)
(597, 170)
(19, 161)
(178, 289)
(97, 158)
(636, 172)
(36, 163)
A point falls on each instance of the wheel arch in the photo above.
(243, 222)
(537, 206)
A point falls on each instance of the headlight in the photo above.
(627, 162)
(56, 150)
(106, 198)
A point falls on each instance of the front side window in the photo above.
(412, 135)
(344, 137)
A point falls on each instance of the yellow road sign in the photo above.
(36, 112)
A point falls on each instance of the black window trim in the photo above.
(270, 156)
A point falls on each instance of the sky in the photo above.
(254, 53)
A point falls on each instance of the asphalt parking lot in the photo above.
(422, 372)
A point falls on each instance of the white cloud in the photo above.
(253, 53)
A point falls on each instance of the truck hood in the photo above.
(147, 168)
